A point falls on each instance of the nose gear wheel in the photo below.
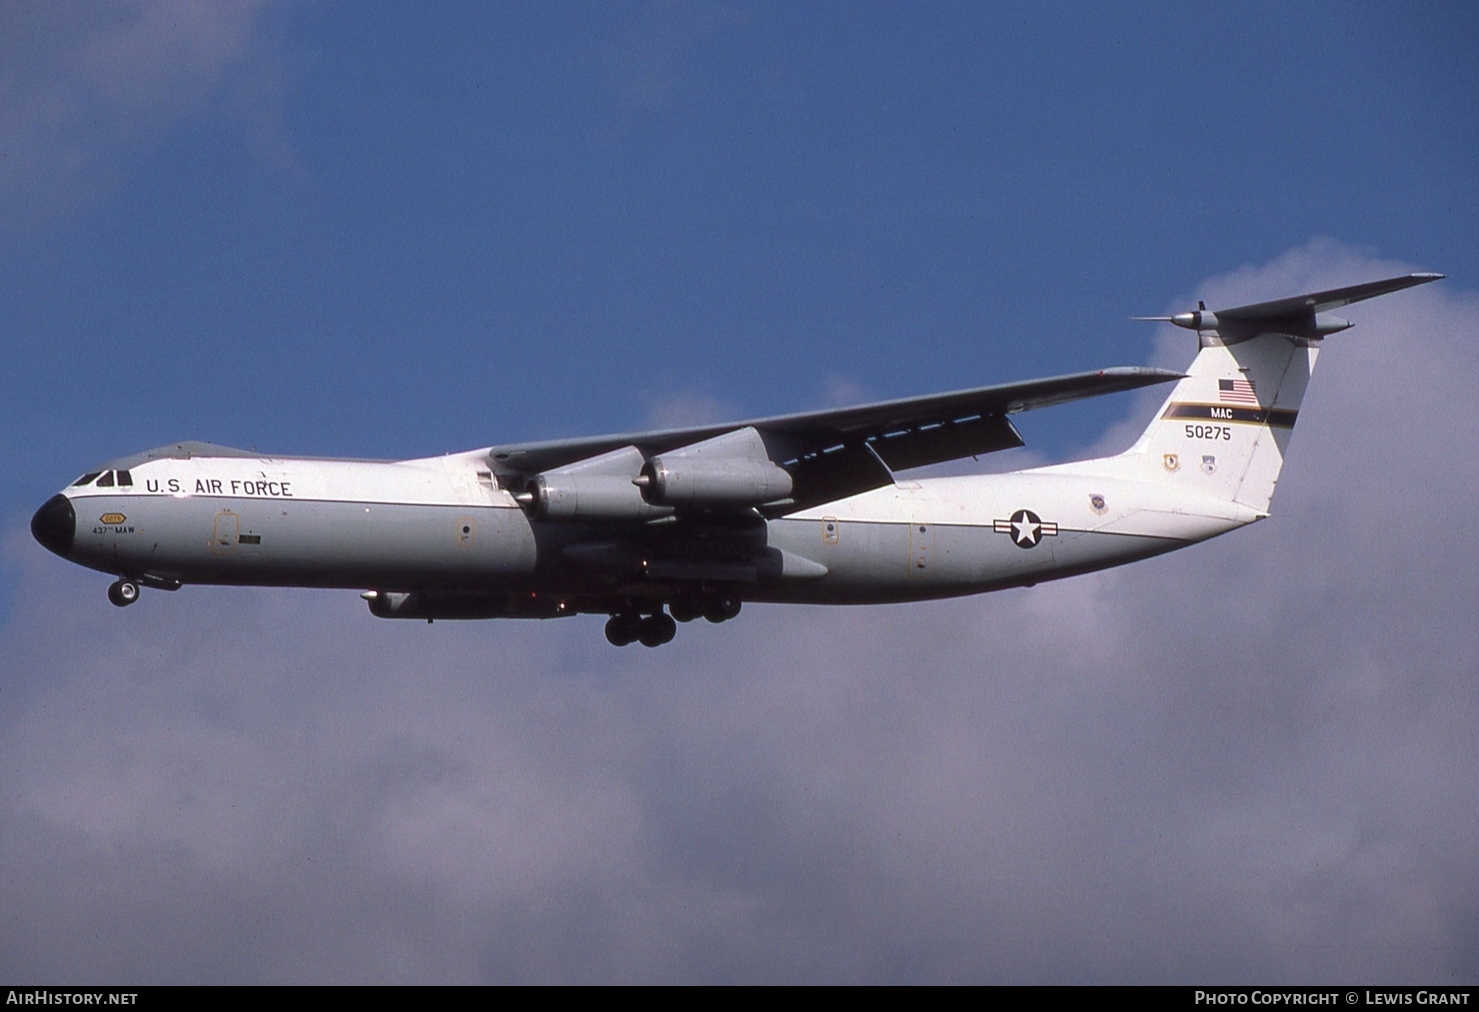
(123, 593)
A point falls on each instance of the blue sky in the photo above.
(399, 230)
(373, 230)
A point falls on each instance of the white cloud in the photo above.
(676, 409)
(83, 84)
(840, 391)
(1252, 760)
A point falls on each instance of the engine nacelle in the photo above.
(590, 497)
(595, 490)
(682, 480)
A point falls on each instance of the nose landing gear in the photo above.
(123, 593)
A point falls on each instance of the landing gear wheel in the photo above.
(657, 630)
(622, 630)
(686, 607)
(123, 593)
(722, 607)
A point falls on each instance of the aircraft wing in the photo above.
(844, 451)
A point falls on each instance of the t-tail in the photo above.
(1224, 430)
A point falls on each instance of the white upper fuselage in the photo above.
(444, 522)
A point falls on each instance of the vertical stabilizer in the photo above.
(1225, 428)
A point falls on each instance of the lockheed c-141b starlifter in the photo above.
(654, 528)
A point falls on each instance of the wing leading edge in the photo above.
(844, 451)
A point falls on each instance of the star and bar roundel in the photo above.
(1026, 528)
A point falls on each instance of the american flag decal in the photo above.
(1238, 391)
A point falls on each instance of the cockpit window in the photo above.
(106, 481)
(124, 478)
(86, 478)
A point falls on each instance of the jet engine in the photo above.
(732, 470)
(588, 497)
(682, 481)
(597, 490)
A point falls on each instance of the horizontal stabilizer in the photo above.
(1298, 316)
(1320, 302)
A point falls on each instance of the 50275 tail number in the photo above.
(1209, 432)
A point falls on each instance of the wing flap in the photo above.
(933, 444)
(832, 474)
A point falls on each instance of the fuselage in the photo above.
(443, 527)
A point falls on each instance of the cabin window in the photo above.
(106, 481)
(86, 478)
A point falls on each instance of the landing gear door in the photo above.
(223, 536)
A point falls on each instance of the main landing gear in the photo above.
(628, 627)
(123, 593)
(714, 607)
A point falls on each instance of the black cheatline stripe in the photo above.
(998, 530)
(296, 499)
(1280, 417)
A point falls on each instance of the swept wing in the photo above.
(843, 451)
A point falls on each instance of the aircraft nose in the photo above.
(55, 524)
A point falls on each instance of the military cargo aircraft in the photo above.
(656, 528)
